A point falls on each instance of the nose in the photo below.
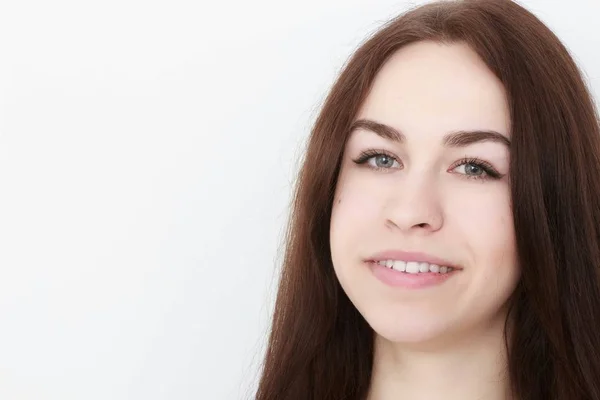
(415, 206)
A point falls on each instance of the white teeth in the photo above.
(413, 267)
(399, 266)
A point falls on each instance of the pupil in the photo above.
(473, 169)
(384, 161)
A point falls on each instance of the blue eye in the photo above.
(469, 168)
(474, 168)
(378, 160)
(382, 161)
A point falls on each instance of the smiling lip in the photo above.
(398, 279)
(405, 280)
(411, 256)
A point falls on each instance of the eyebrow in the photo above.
(453, 139)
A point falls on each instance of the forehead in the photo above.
(429, 87)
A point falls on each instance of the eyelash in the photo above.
(490, 172)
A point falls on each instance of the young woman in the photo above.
(445, 235)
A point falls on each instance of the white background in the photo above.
(147, 154)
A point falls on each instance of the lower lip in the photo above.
(406, 280)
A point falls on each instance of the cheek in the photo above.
(357, 206)
(484, 220)
(354, 212)
(484, 225)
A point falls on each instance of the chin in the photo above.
(409, 332)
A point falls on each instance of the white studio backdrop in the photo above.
(147, 155)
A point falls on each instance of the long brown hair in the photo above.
(321, 348)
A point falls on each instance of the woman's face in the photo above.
(424, 187)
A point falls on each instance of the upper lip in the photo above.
(411, 256)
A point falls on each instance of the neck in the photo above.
(473, 367)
